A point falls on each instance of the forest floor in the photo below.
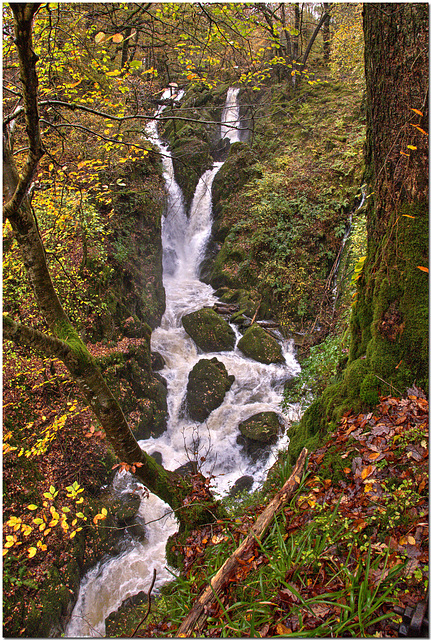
(349, 548)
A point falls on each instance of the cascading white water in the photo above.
(230, 117)
(257, 388)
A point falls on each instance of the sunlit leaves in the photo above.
(100, 516)
(47, 520)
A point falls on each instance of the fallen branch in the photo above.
(195, 619)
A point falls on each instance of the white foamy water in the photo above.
(257, 388)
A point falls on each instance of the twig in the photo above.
(149, 604)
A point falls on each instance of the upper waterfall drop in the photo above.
(230, 122)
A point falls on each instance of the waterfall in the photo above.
(257, 387)
(230, 117)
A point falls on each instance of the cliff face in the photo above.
(132, 292)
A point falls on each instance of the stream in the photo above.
(257, 387)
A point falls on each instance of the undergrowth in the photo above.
(338, 557)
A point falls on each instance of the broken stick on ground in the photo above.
(195, 619)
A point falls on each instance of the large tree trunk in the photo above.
(390, 321)
(65, 342)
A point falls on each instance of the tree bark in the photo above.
(326, 33)
(390, 320)
(324, 17)
(195, 619)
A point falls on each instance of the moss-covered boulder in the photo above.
(263, 427)
(207, 386)
(256, 343)
(209, 331)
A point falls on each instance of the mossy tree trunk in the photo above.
(390, 320)
(65, 342)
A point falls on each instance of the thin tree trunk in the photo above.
(320, 24)
(326, 34)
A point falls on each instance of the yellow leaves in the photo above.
(407, 540)
(32, 507)
(51, 494)
(73, 534)
(14, 523)
(417, 111)
(425, 269)
(10, 541)
(64, 525)
(374, 455)
(100, 516)
(102, 37)
(282, 630)
(7, 448)
(31, 552)
(412, 147)
(73, 490)
(41, 545)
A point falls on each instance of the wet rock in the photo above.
(126, 508)
(256, 451)
(117, 620)
(157, 457)
(241, 320)
(187, 469)
(207, 386)
(257, 344)
(157, 361)
(152, 412)
(209, 331)
(198, 160)
(263, 427)
(242, 484)
(225, 309)
(138, 529)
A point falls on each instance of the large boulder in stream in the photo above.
(257, 344)
(263, 427)
(258, 433)
(207, 386)
(209, 331)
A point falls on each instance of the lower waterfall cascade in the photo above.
(257, 388)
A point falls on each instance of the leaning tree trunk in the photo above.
(65, 342)
(326, 33)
